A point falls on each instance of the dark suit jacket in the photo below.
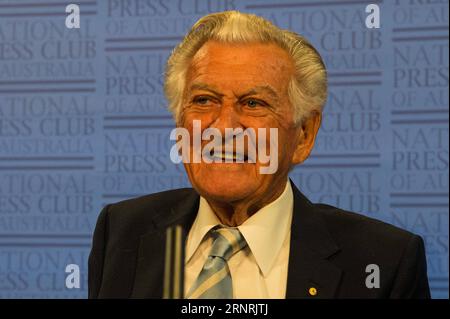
(330, 249)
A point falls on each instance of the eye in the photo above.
(201, 100)
(252, 103)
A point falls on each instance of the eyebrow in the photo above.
(206, 87)
(266, 88)
(257, 89)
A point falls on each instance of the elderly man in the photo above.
(250, 234)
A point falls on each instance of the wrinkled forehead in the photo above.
(241, 64)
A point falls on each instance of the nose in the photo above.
(227, 117)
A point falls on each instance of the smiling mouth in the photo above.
(227, 157)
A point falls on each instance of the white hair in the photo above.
(308, 87)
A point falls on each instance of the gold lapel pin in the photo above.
(312, 291)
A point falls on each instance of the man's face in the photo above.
(241, 86)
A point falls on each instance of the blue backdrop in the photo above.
(83, 121)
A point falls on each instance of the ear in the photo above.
(307, 132)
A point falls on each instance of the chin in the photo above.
(228, 196)
(225, 189)
(224, 182)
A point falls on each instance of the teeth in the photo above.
(226, 156)
(230, 156)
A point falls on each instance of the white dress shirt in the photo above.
(260, 269)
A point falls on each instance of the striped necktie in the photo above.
(214, 281)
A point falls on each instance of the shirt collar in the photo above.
(265, 231)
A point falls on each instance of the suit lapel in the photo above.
(310, 250)
(148, 279)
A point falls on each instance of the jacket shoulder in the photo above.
(364, 235)
(127, 220)
(363, 241)
(149, 204)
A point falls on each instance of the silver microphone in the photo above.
(174, 263)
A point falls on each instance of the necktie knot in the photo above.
(227, 242)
